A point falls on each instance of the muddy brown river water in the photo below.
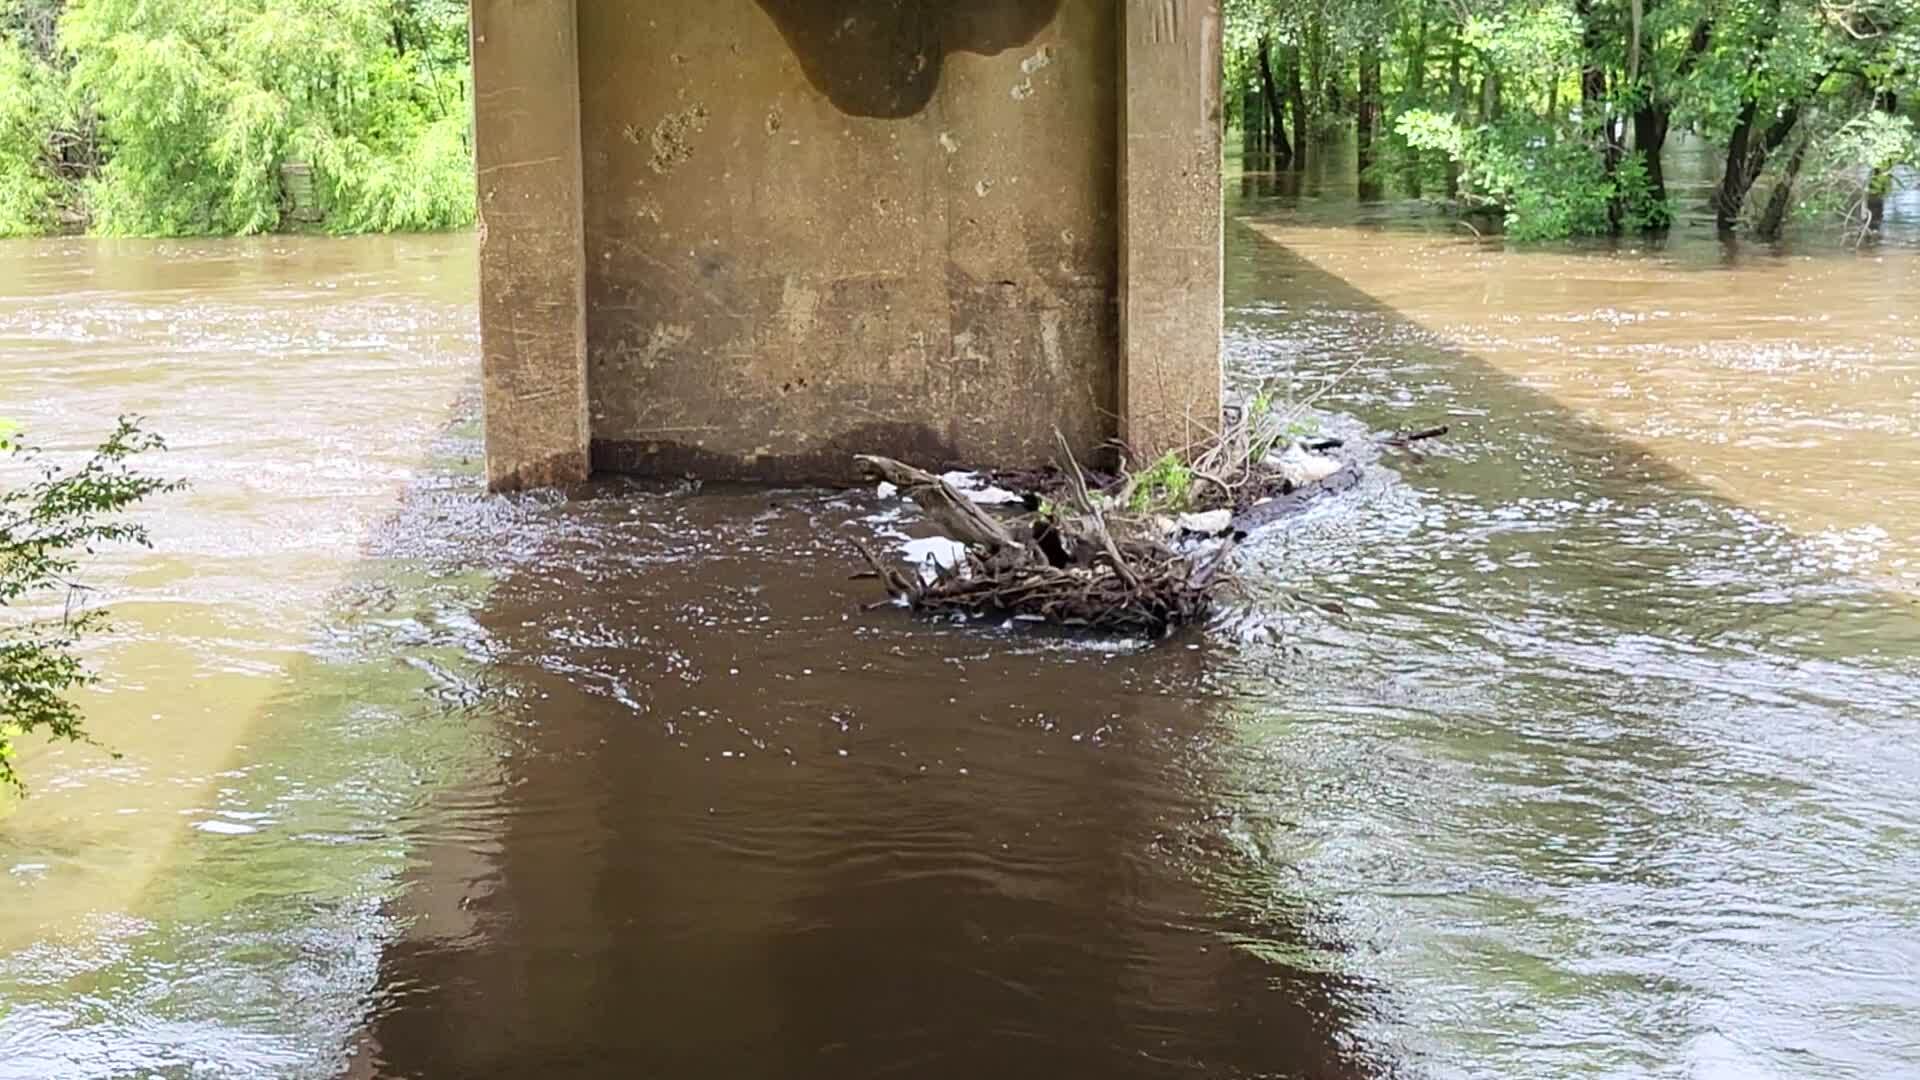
(1591, 753)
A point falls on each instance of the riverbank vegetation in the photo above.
(1553, 115)
(46, 526)
(222, 117)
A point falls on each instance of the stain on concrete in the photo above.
(815, 279)
(662, 341)
(672, 138)
(1028, 67)
(883, 58)
(828, 460)
(799, 306)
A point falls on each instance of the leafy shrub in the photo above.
(45, 527)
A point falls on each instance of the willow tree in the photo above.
(32, 109)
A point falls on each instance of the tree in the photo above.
(30, 111)
(1555, 114)
(169, 117)
(46, 526)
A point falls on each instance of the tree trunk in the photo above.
(1253, 121)
(1297, 93)
(1414, 88)
(1366, 115)
(1270, 98)
(1781, 199)
(1633, 42)
(1881, 182)
(1593, 92)
(1457, 97)
(1746, 160)
(1316, 69)
(1650, 124)
(1739, 176)
(1416, 80)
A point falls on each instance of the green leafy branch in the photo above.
(47, 527)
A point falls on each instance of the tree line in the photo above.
(223, 117)
(1554, 114)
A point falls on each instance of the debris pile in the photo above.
(1065, 563)
(1141, 552)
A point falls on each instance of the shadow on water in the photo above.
(754, 832)
(1610, 744)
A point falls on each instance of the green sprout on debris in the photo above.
(1266, 428)
(1165, 488)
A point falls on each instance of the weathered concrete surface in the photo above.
(827, 226)
(1171, 271)
(812, 227)
(532, 300)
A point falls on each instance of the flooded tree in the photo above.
(1555, 114)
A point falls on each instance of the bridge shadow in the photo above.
(1290, 320)
(752, 832)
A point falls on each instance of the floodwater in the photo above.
(1581, 745)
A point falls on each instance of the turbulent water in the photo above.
(1580, 745)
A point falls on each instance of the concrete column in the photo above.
(1171, 260)
(533, 328)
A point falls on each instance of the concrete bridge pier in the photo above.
(748, 238)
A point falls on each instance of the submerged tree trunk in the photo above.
(1253, 121)
(1593, 93)
(1366, 115)
(1270, 97)
(1734, 183)
(1297, 93)
(1650, 124)
(1653, 117)
(1747, 159)
(1881, 182)
(1781, 199)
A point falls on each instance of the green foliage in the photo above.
(204, 101)
(1547, 187)
(30, 109)
(46, 527)
(1165, 488)
(1859, 160)
(1633, 195)
(196, 111)
(1539, 108)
